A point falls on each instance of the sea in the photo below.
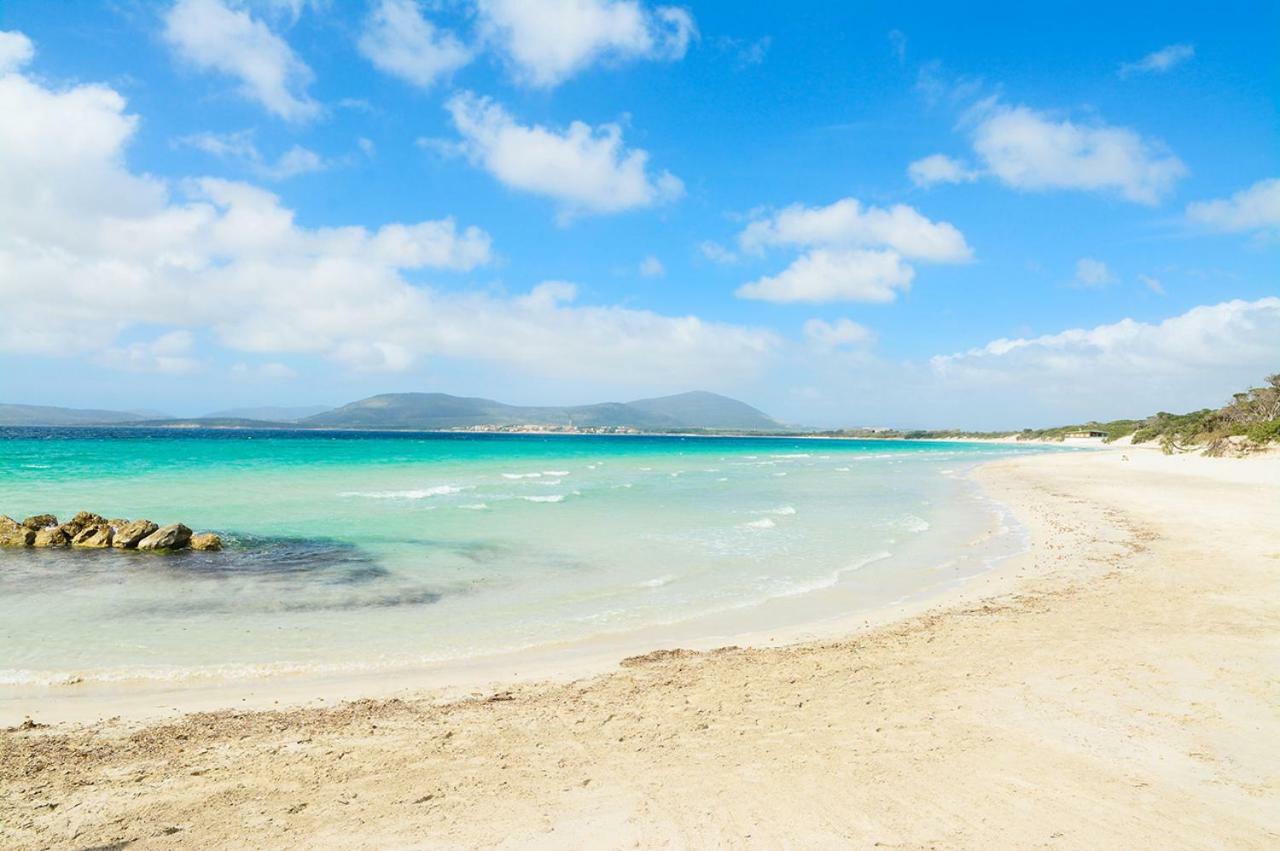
(370, 551)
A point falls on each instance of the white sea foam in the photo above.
(657, 582)
(842, 469)
(784, 510)
(521, 475)
(475, 506)
(912, 523)
(555, 472)
(554, 497)
(762, 523)
(418, 493)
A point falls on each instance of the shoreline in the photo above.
(137, 700)
(1118, 686)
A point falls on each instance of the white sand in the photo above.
(1119, 687)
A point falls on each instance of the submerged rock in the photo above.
(94, 537)
(206, 541)
(14, 534)
(130, 533)
(52, 536)
(40, 521)
(175, 536)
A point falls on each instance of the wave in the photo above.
(912, 523)
(784, 510)
(475, 506)
(555, 472)
(555, 497)
(762, 523)
(521, 475)
(418, 493)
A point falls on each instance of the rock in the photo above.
(40, 521)
(175, 536)
(206, 541)
(77, 524)
(96, 536)
(14, 534)
(130, 533)
(52, 536)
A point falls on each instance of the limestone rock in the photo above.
(77, 524)
(175, 536)
(130, 533)
(14, 534)
(52, 536)
(206, 541)
(93, 537)
(40, 521)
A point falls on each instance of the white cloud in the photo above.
(118, 253)
(651, 267)
(1152, 284)
(939, 168)
(1092, 274)
(843, 333)
(270, 371)
(847, 223)
(1224, 346)
(1254, 209)
(716, 253)
(214, 37)
(399, 40)
(168, 354)
(1159, 61)
(239, 146)
(824, 275)
(855, 253)
(586, 169)
(1029, 150)
(16, 50)
(551, 40)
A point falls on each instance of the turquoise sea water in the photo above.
(359, 551)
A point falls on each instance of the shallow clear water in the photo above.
(351, 551)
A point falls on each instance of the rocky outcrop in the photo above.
(92, 531)
(175, 536)
(129, 533)
(14, 534)
(52, 537)
(94, 537)
(206, 541)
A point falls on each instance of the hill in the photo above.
(45, 415)
(270, 414)
(697, 410)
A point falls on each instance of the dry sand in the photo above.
(1123, 691)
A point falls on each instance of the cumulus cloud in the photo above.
(213, 37)
(854, 253)
(1092, 274)
(584, 168)
(121, 254)
(716, 253)
(847, 223)
(399, 40)
(824, 275)
(1159, 61)
(1221, 346)
(1029, 150)
(939, 168)
(550, 41)
(16, 50)
(240, 147)
(841, 334)
(651, 267)
(1254, 209)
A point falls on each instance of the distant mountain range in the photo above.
(697, 410)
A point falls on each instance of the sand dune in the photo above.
(1118, 687)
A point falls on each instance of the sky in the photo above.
(907, 214)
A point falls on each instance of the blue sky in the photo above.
(913, 214)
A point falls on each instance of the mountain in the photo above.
(269, 414)
(697, 410)
(42, 415)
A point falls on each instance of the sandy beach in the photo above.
(1117, 686)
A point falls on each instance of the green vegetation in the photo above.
(1252, 417)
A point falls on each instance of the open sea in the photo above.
(361, 551)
